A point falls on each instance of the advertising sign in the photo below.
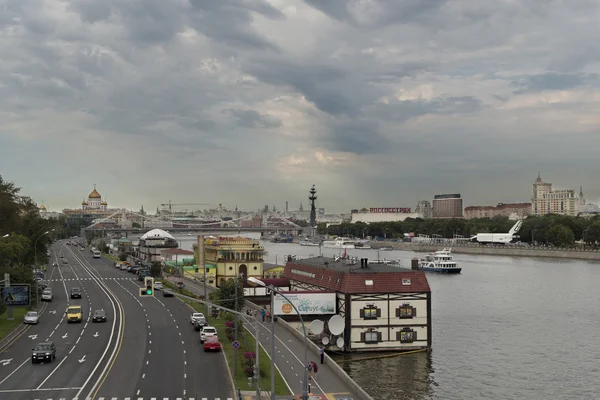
(16, 295)
(395, 210)
(306, 303)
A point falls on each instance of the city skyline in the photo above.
(251, 103)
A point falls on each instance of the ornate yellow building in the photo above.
(226, 257)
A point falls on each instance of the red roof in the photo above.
(333, 277)
(178, 251)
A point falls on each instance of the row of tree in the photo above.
(556, 230)
(24, 235)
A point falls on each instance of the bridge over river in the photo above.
(199, 229)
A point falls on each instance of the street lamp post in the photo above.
(35, 246)
(273, 291)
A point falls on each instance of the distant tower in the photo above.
(313, 210)
(301, 208)
(286, 207)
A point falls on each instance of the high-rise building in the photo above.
(424, 208)
(545, 200)
(447, 206)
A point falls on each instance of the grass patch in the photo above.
(111, 257)
(7, 326)
(247, 344)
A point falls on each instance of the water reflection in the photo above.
(404, 377)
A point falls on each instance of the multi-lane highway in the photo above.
(146, 350)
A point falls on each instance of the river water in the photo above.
(505, 328)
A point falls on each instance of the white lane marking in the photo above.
(53, 371)
(16, 369)
(143, 376)
(149, 351)
(37, 390)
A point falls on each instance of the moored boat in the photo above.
(308, 243)
(441, 261)
(339, 243)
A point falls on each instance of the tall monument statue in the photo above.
(313, 210)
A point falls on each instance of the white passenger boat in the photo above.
(308, 243)
(440, 261)
(339, 243)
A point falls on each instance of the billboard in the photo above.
(307, 303)
(16, 295)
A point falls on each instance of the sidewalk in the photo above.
(289, 358)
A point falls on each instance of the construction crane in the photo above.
(182, 204)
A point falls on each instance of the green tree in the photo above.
(561, 236)
(136, 225)
(226, 294)
(156, 269)
(123, 256)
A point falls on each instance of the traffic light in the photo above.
(148, 288)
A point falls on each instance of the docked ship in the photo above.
(339, 243)
(441, 261)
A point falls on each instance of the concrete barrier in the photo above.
(495, 251)
(329, 361)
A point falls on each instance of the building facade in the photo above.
(424, 208)
(384, 308)
(382, 214)
(546, 200)
(230, 257)
(153, 243)
(447, 206)
(93, 208)
(518, 210)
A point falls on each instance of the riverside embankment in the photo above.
(512, 251)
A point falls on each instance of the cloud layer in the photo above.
(250, 102)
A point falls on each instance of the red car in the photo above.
(212, 343)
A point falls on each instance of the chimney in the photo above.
(366, 263)
(414, 263)
(362, 262)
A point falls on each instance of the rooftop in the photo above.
(341, 276)
(178, 251)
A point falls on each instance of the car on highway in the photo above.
(206, 332)
(61, 256)
(195, 316)
(55, 264)
(42, 284)
(47, 295)
(168, 293)
(65, 261)
(32, 317)
(212, 343)
(43, 352)
(199, 323)
(158, 285)
(75, 293)
(99, 316)
(74, 314)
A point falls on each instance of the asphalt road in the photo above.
(146, 349)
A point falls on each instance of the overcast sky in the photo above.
(249, 102)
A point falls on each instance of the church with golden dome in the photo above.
(94, 207)
(94, 201)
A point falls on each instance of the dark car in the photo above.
(75, 293)
(168, 293)
(99, 316)
(43, 352)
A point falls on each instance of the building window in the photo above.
(370, 337)
(406, 335)
(406, 311)
(370, 312)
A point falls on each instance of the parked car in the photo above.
(206, 332)
(47, 295)
(212, 343)
(32, 317)
(199, 323)
(158, 285)
(43, 352)
(195, 316)
(99, 316)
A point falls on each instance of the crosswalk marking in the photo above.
(89, 279)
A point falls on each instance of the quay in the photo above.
(512, 251)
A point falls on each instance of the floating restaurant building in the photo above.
(383, 307)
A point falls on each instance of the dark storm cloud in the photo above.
(253, 119)
(358, 137)
(552, 81)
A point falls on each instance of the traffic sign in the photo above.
(235, 344)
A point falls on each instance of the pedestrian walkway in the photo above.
(289, 358)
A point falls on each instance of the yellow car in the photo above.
(74, 314)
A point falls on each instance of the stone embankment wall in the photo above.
(493, 250)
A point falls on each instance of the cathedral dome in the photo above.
(43, 207)
(94, 194)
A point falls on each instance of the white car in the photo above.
(196, 316)
(31, 317)
(47, 295)
(207, 331)
(158, 285)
